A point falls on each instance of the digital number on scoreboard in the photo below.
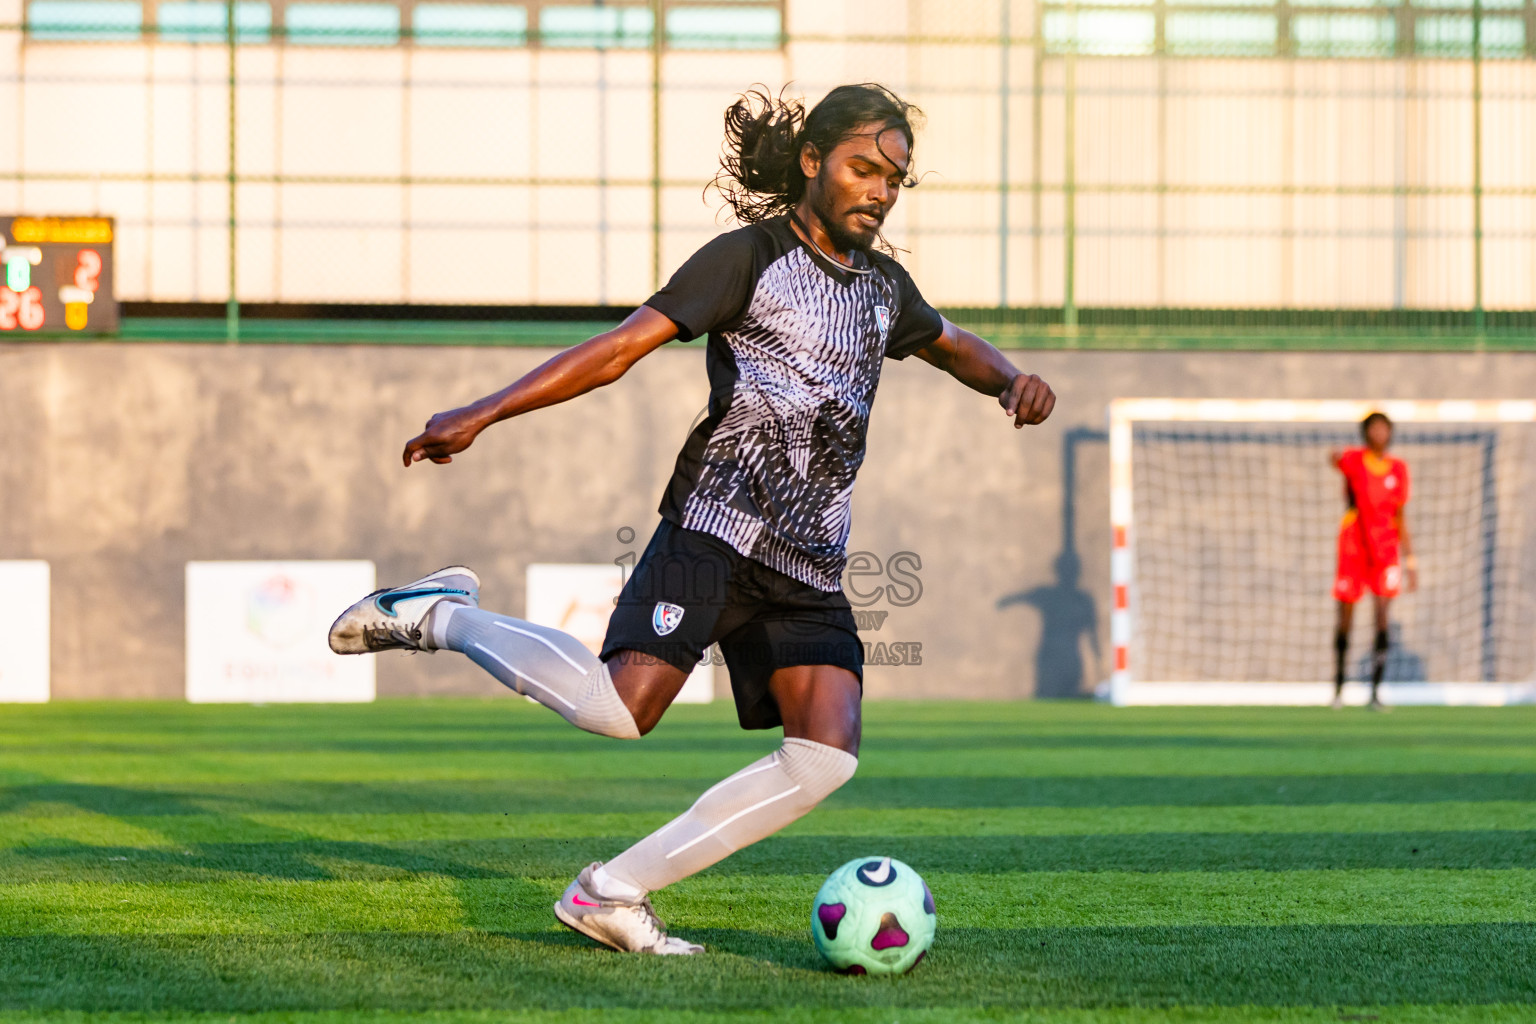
(56, 275)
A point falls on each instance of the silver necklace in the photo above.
(811, 240)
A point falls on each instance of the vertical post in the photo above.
(232, 303)
(149, 147)
(1161, 273)
(602, 176)
(408, 69)
(1121, 565)
(1004, 141)
(658, 27)
(1287, 164)
(1490, 519)
(1405, 74)
(1160, 54)
(1036, 155)
(1069, 185)
(1478, 318)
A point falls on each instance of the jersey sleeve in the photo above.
(917, 323)
(1402, 472)
(711, 288)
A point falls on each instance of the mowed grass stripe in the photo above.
(1206, 965)
(600, 761)
(1441, 1013)
(1112, 899)
(454, 742)
(539, 857)
(778, 904)
(666, 794)
(504, 718)
(148, 831)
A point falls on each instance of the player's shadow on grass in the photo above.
(781, 951)
(244, 846)
(795, 953)
(110, 800)
(309, 860)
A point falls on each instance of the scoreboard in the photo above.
(56, 275)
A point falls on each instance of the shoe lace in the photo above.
(383, 634)
(656, 928)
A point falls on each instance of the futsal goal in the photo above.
(1225, 517)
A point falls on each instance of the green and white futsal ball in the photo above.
(873, 915)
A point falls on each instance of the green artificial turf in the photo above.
(395, 863)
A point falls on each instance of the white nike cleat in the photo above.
(394, 619)
(627, 927)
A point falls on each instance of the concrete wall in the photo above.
(124, 462)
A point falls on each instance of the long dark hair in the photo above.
(760, 174)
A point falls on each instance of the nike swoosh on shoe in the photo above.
(389, 599)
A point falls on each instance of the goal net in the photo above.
(1225, 519)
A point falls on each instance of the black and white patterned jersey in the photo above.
(794, 356)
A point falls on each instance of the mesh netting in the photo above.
(1235, 543)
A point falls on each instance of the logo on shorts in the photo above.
(666, 617)
(883, 321)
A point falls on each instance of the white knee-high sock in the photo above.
(539, 662)
(750, 805)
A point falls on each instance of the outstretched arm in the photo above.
(590, 365)
(976, 364)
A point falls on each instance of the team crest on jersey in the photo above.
(1390, 481)
(666, 617)
(883, 321)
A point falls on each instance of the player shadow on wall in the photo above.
(1068, 614)
(1403, 665)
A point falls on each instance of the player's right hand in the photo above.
(446, 434)
(1028, 399)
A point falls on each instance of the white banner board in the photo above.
(256, 632)
(578, 599)
(24, 654)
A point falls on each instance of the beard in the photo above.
(843, 238)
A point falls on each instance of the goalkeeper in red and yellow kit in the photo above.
(1375, 552)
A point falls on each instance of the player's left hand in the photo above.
(1028, 400)
(1410, 580)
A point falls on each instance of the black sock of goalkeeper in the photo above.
(1378, 661)
(1340, 649)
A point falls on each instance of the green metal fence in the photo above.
(1122, 172)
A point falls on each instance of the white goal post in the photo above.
(1224, 519)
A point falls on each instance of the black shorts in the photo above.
(691, 589)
